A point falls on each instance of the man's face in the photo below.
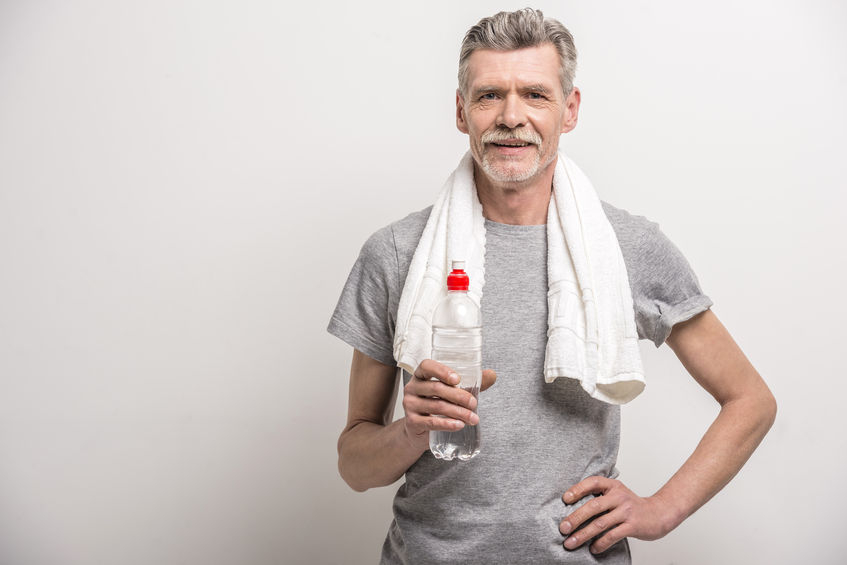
(514, 111)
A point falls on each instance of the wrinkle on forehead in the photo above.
(515, 69)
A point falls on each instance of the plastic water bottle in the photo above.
(457, 343)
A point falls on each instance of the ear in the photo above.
(461, 122)
(571, 110)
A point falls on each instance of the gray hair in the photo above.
(507, 31)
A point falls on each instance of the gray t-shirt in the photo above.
(538, 439)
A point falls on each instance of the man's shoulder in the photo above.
(395, 243)
(405, 233)
(412, 226)
(629, 228)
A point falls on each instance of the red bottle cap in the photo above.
(458, 279)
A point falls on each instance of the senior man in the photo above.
(543, 489)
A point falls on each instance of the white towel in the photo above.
(591, 333)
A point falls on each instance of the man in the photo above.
(543, 488)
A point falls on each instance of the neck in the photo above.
(517, 203)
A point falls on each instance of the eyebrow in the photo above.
(537, 87)
(485, 90)
(540, 88)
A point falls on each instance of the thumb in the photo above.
(488, 379)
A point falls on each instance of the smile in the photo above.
(511, 143)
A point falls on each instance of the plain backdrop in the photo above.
(184, 186)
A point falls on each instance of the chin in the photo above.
(509, 176)
(500, 173)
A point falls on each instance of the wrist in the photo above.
(415, 444)
(670, 513)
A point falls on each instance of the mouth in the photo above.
(510, 148)
(511, 143)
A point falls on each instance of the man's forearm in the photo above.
(711, 356)
(725, 447)
(619, 513)
(372, 455)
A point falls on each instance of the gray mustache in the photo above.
(504, 134)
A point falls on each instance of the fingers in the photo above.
(610, 539)
(592, 508)
(590, 485)
(589, 510)
(429, 389)
(433, 402)
(425, 423)
(609, 518)
(429, 369)
(596, 527)
(426, 406)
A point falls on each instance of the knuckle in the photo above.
(410, 389)
(436, 408)
(440, 406)
(599, 524)
(455, 411)
(411, 404)
(424, 368)
(575, 519)
(603, 544)
(626, 530)
(459, 399)
(599, 546)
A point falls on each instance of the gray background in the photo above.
(185, 185)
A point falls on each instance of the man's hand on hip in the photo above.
(615, 514)
(432, 401)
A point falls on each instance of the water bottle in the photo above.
(457, 343)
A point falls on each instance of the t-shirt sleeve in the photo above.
(664, 287)
(362, 317)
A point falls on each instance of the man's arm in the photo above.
(374, 451)
(748, 409)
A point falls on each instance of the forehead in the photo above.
(531, 65)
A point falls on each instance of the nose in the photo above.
(512, 113)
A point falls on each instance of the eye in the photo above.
(536, 95)
(488, 96)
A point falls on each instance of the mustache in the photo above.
(504, 134)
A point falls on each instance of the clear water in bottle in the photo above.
(451, 350)
(457, 343)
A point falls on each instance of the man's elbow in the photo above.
(756, 406)
(348, 477)
(351, 482)
(761, 407)
(344, 466)
(769, 408)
